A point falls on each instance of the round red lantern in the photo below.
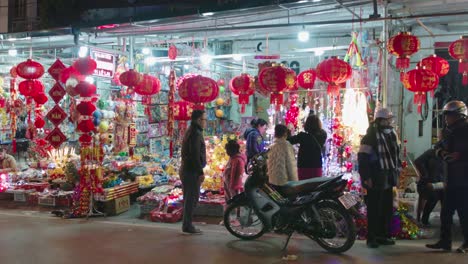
(334, 71)
(30, 87)
(85, 126)
(403, 46)
(86, 108)
(39, 122)
(40, 98)
(292, 86)
(131, 78)
(30, 69)
(276, 79)
(435, 64)
(172, 52)
(243, 86)
(420, 81)
(148, 86)
(85, 66)
(459, 50)
(198, 89)
(182, 111)
(306, 79)
(85, 89)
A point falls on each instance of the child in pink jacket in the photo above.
(234, 170)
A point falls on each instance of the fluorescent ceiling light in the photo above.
(319, 52)
(303, 36)
(237, 57)
(12, 52)
(206, 59)
(207, 14)
(315, 1)
(146, 51)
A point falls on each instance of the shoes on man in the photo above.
(440, 245)
(385, 241)
(372, 244)
(191, 230)
(463, 248)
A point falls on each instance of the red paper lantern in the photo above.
(420, 81)
(306, 79)
(182, 111)
(30, 87)
(85, 89)
(276, 79)
(85, 126)
(39, 122)
(334, 71)
(459, 50)
(86, 108)
(30, 69)
(403, 46)
(131, 78)
(13, 72)
(435, 64)
(172, 53)
(243, 86)
(85, 66)
(150, 85)
(198, 89)
(70, 72)
(40, 98)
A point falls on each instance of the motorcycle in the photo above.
(317, 208)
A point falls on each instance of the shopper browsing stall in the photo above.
(309, 158)
(379, 167)
(281, 162)
(234, 170)
(254, 137)
(7, 161)
(191, 171)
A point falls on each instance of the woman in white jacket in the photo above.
(281, 159)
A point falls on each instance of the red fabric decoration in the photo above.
(57, 92)
(55, 69)
(150, 85)
(86, 108)
(306, 79)
(436, 64)
(30, 87)
(85, 66)
(172, 53)
(85, 139)
(85, 89)
(30, 69)
(198, 89)
(243, 86)
(420, 81)
(131, 78)
(40, 98)
(56, 115)
(276, 79)
(69, 72)
(459, 50)
(403, 46)
(334, 71)
(39, 122)
(56, 138)
(86, 126)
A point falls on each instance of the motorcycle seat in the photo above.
(294, 188)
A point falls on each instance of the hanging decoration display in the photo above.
(354, 50)
(198, 90)
(306, 79)
(293, 111)
(335, 72)
(459, 51)
(130, 78)
(30, 70)
(170, 113)
(85, 66)
(243, 86)
(276, 80)
(12, 105)
(172, 52)
(403, 45)
(435, 64)
(420, 81)
(56, 69)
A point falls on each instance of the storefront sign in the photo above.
(105, 63)
(122, 204)
(132, 134)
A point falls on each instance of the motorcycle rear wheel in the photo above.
(242, 222)
(337, 218)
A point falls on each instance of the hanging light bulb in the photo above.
(146, 51)
(13, 51)
(237, 57)
(303, 35)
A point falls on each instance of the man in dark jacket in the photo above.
(453, 149)
(254, 139)
(191, 171)
(379, 167)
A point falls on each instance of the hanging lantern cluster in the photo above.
(335, 72)
(459, 51)
(420, 82)
(276, 80)
(243, 86)
(198, 90)
(130, 78)
(11, 106)
(403, 45)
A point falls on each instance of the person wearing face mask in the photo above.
(379, 168)
(453, 149)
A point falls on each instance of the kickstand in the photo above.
(287, 241)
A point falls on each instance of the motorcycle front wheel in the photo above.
(242, 221)
(339, 231)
